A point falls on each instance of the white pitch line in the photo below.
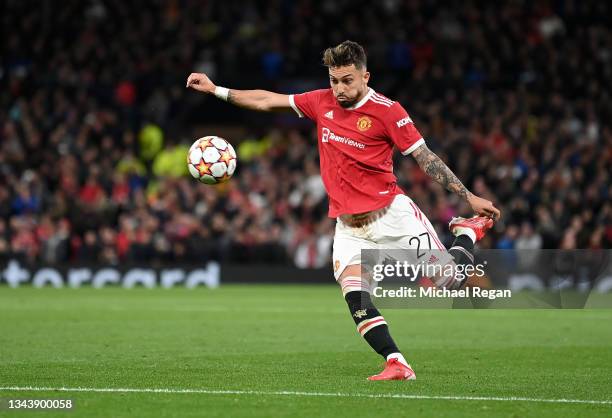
(293, 393)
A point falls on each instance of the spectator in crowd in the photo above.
(513, 95)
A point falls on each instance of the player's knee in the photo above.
(349, 270)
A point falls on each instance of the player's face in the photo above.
(348, 84)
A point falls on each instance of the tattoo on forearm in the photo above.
(437, 170)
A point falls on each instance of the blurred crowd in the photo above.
(515, 96)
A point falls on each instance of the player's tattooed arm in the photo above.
(437, 170)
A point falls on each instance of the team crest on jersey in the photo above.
(364, 123)
(360, 313)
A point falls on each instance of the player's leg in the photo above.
(467, 232)
(370, 324)
(405, 226)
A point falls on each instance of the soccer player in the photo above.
(357, 130)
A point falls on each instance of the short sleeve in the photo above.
(401, 129)
(306, 104)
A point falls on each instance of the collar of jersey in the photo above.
(363, 100)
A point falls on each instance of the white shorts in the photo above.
(403, 226)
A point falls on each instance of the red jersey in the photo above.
(356, 147)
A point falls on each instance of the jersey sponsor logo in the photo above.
(364, 123)
(330, 115)
(403, 122)
(327, 135)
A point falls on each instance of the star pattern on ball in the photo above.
(226, 156)
(202, 168)
(204, 143)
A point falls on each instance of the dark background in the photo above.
(515, 96)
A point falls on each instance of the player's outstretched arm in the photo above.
(261, 100)
(437, 170)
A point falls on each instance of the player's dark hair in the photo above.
(347, 53)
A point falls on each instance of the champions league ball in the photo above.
(211, 160)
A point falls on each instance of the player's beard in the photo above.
(346, 102)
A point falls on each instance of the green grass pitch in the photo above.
(293, 351)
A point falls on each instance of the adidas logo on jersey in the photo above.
(330, 115)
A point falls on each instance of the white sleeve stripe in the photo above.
(383, 98)
(413, 147)
(380, 102)
(294, 107)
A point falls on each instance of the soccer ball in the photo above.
(211, 160)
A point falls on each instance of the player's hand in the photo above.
(484, 207)
(200, 82)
